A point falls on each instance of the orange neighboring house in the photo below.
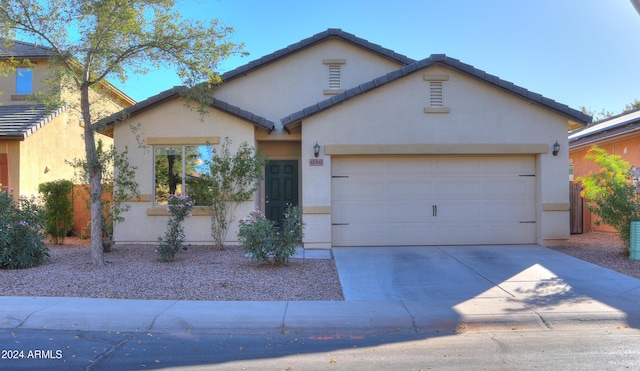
(36, 142)
(618, 135)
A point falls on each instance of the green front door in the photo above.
(281, 187)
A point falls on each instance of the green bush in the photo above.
(610, 193)
(21, 232)
(265, 241)
(180, 208)
(58, 209)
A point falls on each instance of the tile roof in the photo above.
(18, 122)
(330, 33)
(617, 125)
(175, 92)
(436, 59)
(21, 49)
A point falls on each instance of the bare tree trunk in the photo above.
(95, 181)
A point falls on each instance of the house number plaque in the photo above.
(316, 162)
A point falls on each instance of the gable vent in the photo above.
(435, 94)
(334, 77)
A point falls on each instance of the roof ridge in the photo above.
(423, 63)
(306, 42)
(175, 92)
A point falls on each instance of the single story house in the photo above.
(377, 148)
(618, 135)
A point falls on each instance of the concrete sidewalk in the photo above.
(416, 289)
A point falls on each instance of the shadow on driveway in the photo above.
(488, 284)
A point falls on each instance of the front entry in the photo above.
(281, 187)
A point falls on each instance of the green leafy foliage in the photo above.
(180, 208)
(58, 208)
(21, 232)
(119, 185)
(232, 179)
(113, 39)
(610, 192)
(265, 241)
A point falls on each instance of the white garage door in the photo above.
(433, 200)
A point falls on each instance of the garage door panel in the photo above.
(409, 212)
(391, 200)
(359, 189)
(513, 188)
(363, 212)
(363, 168)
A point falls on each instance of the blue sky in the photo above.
(577, 52)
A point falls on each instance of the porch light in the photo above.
(556, 148)
(316, 149)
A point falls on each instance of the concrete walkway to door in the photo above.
(488, 284)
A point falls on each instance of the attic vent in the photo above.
(334, 76)
(435, 94)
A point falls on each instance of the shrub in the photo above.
(58, 209)
(265, 241)
(170, 243)
(21, 232)
(233, 179)
(610, 193)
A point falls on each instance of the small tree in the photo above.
(232, 180)
(58, 208)
(611, 193)
(95, 40)
(119, 183)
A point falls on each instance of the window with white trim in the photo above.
(178, 170)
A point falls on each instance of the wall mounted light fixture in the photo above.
(556, 148)
(316, 149)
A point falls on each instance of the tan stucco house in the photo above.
(35, 141)
(618, 135)
(428, 152)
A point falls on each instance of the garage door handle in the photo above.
(434, 210)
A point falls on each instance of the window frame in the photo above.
(184, 187)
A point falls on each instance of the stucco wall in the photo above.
(8, 83)
(626, 147)
(171, 120)
(297, 81)
(479, 114)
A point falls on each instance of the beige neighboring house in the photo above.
(35, 141)
(377, 149)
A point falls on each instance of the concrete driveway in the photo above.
(486, 279)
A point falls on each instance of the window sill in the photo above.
(162, 211)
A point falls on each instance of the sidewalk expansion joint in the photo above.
(413, 319)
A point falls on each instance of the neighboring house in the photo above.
(619, 135)
(35, 142)
(377, 148)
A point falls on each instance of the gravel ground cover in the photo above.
(603, 249)
(201, 273)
